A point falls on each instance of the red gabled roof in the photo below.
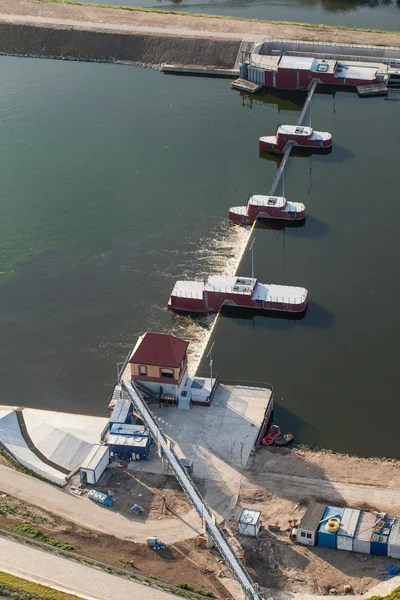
(159, 349)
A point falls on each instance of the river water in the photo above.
(117, 181)
(370, 14)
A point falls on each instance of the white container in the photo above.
(362, 537)
(95, 464)
(394, 540)
(250, 522)
(347, 529)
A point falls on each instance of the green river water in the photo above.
(116, 181)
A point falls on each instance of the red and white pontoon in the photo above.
(267, 207)
(302, 137)
(210, 295)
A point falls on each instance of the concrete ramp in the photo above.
(12, 440)
(62, 448)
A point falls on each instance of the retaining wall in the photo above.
(95, 46)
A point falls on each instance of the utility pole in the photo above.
(211, 363)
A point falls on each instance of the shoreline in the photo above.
(166, 11)
(78, 17)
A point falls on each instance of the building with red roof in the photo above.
(159, 360)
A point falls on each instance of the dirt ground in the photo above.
(200, 24)
(279, 563)
(189, 562)
(160, 495)
(384, 473)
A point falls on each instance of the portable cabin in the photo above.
(363, 533)
(327, 539)
(347, 529)
(122, 413)
(129, 448)
(380, 535)
(250, 522)
(94, 464)
(307, 530)
(394, 540)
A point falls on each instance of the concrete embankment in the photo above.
(89, 45)
(92, 33)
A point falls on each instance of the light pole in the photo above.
(211, 363)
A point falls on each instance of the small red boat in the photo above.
(303, 137)
(273, 434)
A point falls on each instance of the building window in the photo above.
(167, 373)
(142, 370)
(309, 536)
(302, 534)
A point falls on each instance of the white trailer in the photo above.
(95, 464)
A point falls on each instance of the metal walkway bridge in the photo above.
(290, 145)
(250, 589)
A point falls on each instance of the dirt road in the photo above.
(66, 575)
(105, 18)
(82, 511)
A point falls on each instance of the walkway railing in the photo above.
(290, 145)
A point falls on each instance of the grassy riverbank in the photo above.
(212, 16)
(20, 589)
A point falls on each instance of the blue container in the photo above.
(327, 539)
(380, 535)
(379, 544)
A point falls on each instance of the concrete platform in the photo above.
(62, 438)
(199, 71)
(12, 441)
(218, 439)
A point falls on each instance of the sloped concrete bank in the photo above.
(130, 48)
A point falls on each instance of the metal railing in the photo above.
(250, 589)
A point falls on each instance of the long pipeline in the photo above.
(250, 589)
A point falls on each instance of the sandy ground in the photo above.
(279, 482)
(202, 25)
(278, 563)
(326, 465)
(188, 561)
(159, 495)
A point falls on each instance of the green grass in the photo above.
(225, 17)
(37, 534)
(20, 589)
(395, 595)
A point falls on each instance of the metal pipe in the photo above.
(250, 589)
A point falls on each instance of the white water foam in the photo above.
(220, 255)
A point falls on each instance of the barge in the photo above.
(267, 207)
(299, 136)
(210, 295)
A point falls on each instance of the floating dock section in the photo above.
(211, 295)
(291, 64)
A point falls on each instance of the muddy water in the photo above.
(375, 14)
(112, 192)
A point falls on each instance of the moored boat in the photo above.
(297, 135)
(284, 440)
(273, 434)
